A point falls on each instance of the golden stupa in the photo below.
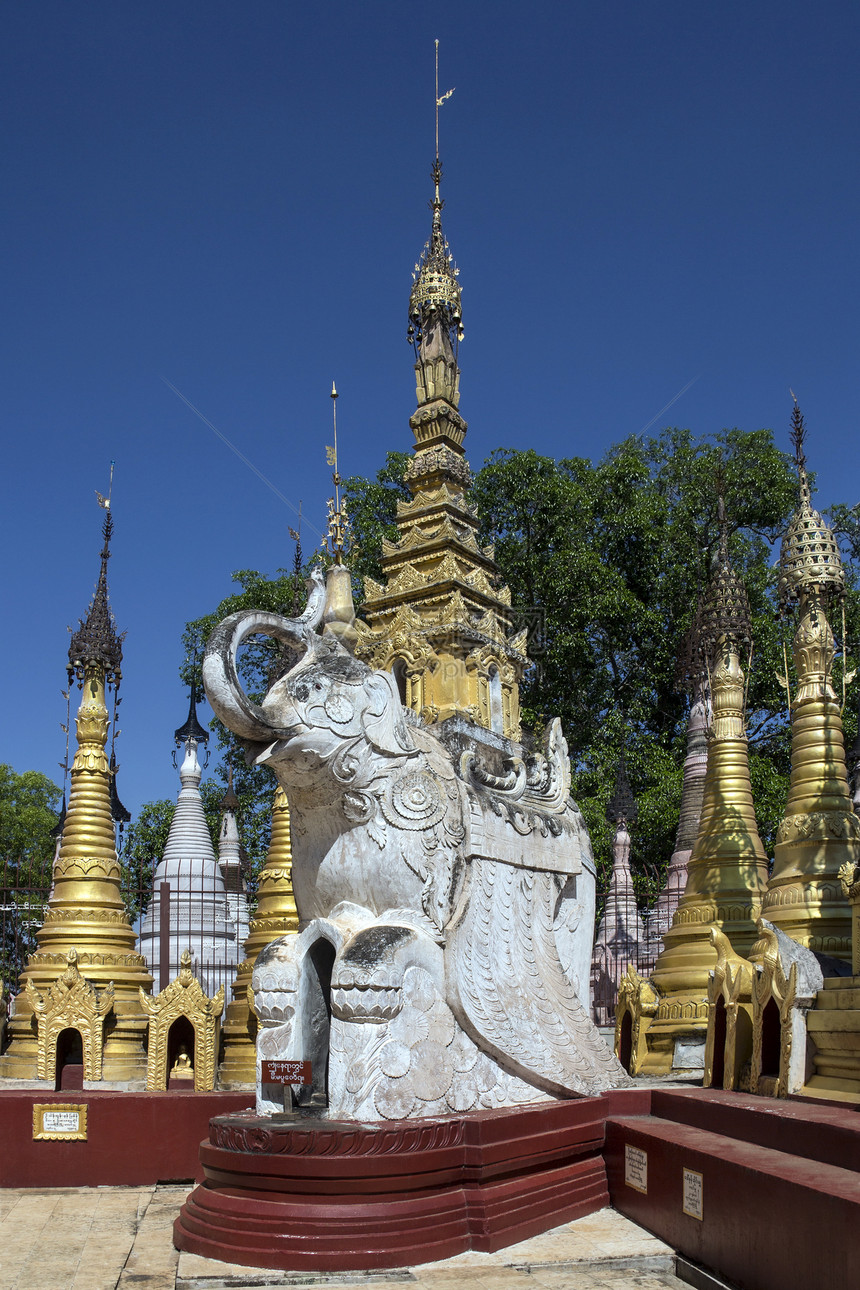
(443, 622)
(819, 833)
(275, 916)
(86, 921)
(727, 871)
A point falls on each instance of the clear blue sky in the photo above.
(231, 196)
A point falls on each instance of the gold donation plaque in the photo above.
(636, 1167)
(59, 1122)
(692, 1204)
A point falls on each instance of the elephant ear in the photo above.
(382, 719)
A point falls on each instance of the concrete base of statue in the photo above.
(304, 1191)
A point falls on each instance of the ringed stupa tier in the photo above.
(820, 831)
(197, 908)
(230, 862)
(86, 915)
(727, 870)
(442, 622)
(275, 916)
(692, 678)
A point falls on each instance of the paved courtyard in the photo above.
(119, 1238)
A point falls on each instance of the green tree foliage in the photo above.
(605, 563)
(614, 556)
(29, 809)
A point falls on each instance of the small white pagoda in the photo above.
(189, 909)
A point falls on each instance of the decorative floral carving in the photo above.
(183, 997)
(70, 1004)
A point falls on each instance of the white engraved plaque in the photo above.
(692, 1203)
(636, 1167)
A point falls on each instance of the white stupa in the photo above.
(230, 862)
(198, 909)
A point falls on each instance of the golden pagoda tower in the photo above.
(443, 622)
(86, 919)
(820, 831)
(727, 871)
(275, 916)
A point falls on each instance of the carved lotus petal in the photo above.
(431, 1070)
(441, 1023)
(394, 1059)
(409, 1026)
(461, 1096)
(394, 1099)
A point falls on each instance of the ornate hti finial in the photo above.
(96, 641)
(622, 807)
(434, 301)
(724, 611)
(809, 556)
(191, 729)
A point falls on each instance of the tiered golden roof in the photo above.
(442, 622)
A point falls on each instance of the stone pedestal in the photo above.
(307, 1192)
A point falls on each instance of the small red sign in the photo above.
(286, 1072)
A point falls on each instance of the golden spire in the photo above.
(819, 831)
(442, 623)
(86, 914)
(727, 870)
(435, 318)
(275, 916)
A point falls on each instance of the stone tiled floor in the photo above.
(119, 1238)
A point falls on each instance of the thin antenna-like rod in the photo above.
(334, 419)
(437, 100)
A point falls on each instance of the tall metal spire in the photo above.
(435, 318)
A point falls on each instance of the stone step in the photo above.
(847, 997)
(829, 1134)
(696, 1189)
(841, 983)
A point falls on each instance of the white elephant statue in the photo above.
(445, 889)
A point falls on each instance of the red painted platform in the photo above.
(780, 1187)
(133, 1139)
(306, 1193)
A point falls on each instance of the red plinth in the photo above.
(133, 1139)
(310, 1193)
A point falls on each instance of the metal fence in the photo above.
(189, 911)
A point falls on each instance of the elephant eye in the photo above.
(317, 686)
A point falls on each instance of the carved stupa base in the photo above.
(675, 1042)
(238, 1067)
